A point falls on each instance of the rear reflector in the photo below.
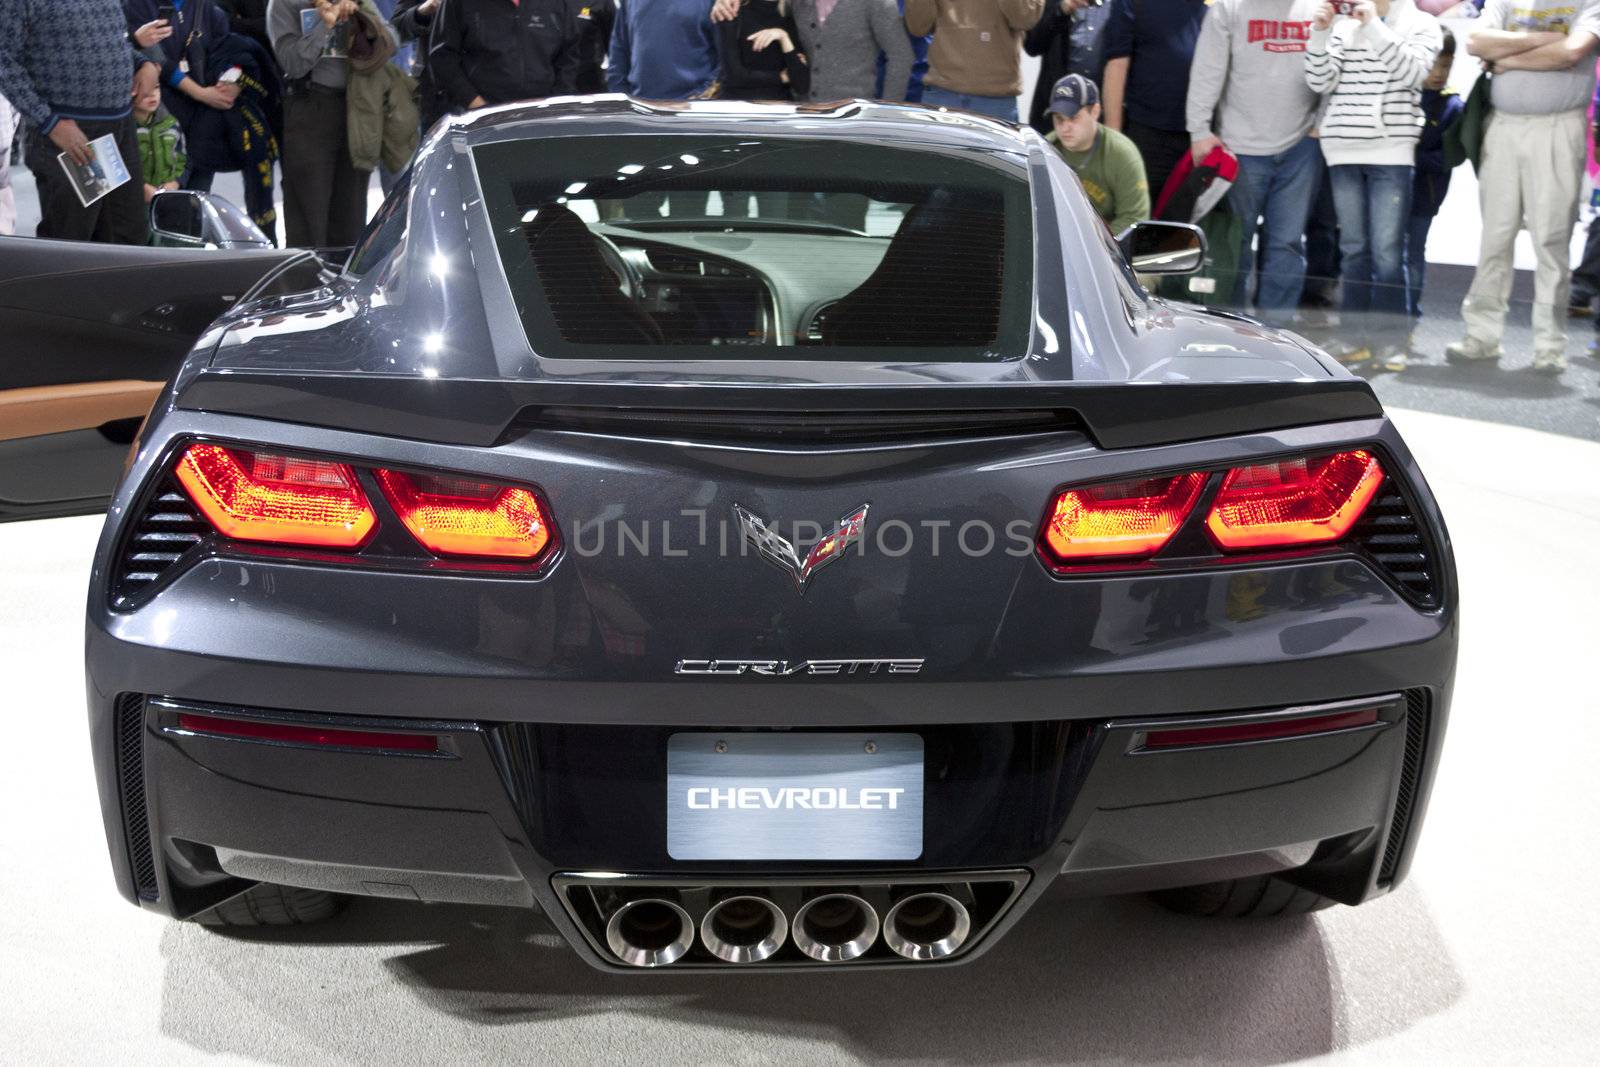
(258, 730)
(1120, 519)
(463, 517)
(1294, 501)
(1228, 734)
(289, 500)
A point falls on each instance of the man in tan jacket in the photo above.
(975, 62)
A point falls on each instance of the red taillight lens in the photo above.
(464, 517)
(261, 730)
(1120, 519)
(1294, 501)
(290, 500)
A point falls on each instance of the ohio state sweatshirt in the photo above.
(1247, 84)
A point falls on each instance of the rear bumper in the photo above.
(503, 811)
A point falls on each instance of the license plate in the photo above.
(794, 796)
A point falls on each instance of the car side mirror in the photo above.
(178, 218)
(184, 218)
(1163, 247)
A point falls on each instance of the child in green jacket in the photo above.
(160, 142)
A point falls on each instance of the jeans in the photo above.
(1416, 261)
(1374, 205)
(996, 107)
(1279, 190)
(1322, 247)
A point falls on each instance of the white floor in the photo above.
(1487, 955)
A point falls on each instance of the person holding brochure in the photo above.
(68, 67)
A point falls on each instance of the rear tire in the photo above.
(1242, 898)
(273, 905)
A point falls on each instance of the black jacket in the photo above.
(503, 51)
(751, 75)
(595, 19)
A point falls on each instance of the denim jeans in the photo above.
(1416, 261)
(1279, 190)
(1374, 205)
(996, 107)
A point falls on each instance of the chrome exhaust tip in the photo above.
(835, 927)
(744, 929)
(926, 926)
(649, 932)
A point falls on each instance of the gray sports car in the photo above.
(760, 536)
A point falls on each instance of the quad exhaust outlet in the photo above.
(718, 922)
(650, 932)
(744, 929)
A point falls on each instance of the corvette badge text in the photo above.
(788, 798)
(779, 668)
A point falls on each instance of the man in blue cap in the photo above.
(1106, 161)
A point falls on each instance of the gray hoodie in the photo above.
(1248, 84)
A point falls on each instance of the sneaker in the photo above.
(1393, 358)
(1348, 353)
(1471, 350)
(1549, 363)
(1580, 305)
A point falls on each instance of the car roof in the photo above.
(565, 116)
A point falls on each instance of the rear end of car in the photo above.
(752, 622)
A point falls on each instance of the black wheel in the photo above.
(1243, 898)
(273, 905)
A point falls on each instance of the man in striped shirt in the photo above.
(1372, 63)
(1531, 169)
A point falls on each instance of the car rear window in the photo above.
(646, 247)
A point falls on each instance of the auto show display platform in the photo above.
(1487, 954)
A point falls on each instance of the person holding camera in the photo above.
(324, 195)
(1372, 63)
(1248, 94)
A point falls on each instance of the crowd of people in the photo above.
(1312, 139)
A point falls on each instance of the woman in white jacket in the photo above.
(1371, 63)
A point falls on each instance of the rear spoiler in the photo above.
(483, 412)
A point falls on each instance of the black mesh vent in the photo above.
(130, 777)
(168, 527)
(1410, 775)
(1393, 539)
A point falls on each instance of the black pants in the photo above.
(1160, 149)
(324, 195)
(1586, 275)
(116, 218)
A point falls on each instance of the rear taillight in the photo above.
(455, 516)
(1293, 501)
(278, 499)
(1262, 730)
(1119, 519)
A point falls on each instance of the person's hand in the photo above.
(149, 191)
(169, 186)
(1324, 16)
(1069, 7)
(1202, 148)
(477, 102)
(334, 12)
(66, 136)
(1364, 11)
(427, 8)
(220, 96)
(151, 32)
(762, 39)
(724, 10)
